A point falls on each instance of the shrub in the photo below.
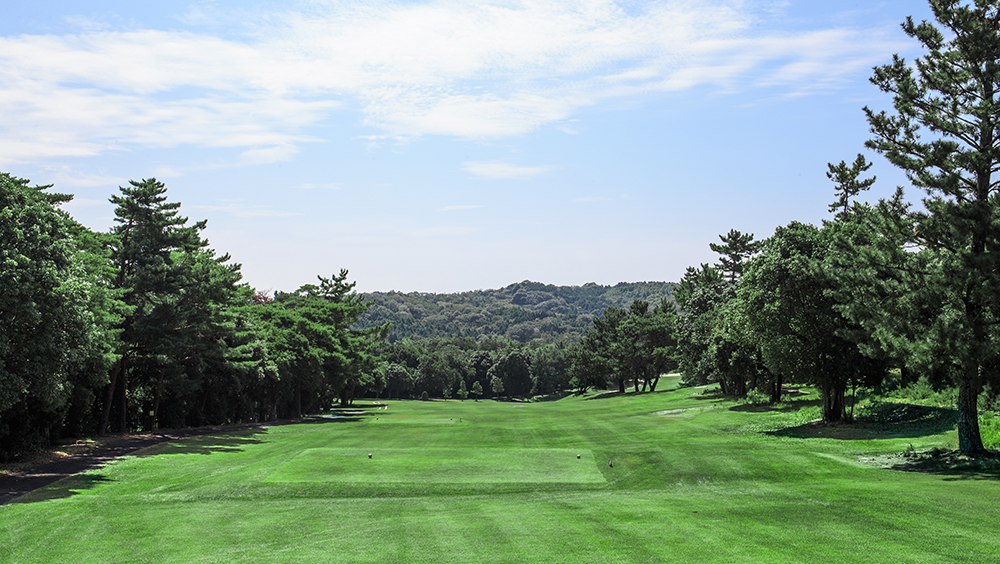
(989, 429)
(757, 397)
(423, 395)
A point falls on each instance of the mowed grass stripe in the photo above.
(714, 486)
(440, 466)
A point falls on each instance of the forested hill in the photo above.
(522, 312)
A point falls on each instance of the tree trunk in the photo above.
(834, 408)
(621, 385)
(776, 388)
(969, 439)
(653, 383)
(156, 410)
(123, 421)
(109, 397)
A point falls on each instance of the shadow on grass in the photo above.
(206, 444)
(783, 407)
(957, 466)
(880, 421)
(711, 394)
(552, 397)
(951, 464)
(604, 395)
(67, 487)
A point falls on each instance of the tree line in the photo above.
(891, 284)
(524, 312)
(146, 326)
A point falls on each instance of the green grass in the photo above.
(695, 478)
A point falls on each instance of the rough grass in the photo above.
(694, 478)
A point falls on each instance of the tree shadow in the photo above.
(713, 394)
(952, 464)
(604, 395)
(782, 407)
(880, 421)
(67, 487)
(552, 397)
(206, 444)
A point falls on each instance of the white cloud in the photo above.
(442, 67)
(63, 176)
(243, 210)
(503, 170)
(275, 154)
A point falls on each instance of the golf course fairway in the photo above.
(680, 475)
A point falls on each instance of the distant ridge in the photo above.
(525, 311)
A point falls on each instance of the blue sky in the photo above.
(446, 146)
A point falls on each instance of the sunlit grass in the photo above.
(675, 476)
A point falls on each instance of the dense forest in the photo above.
(146, 325)
(522, 312)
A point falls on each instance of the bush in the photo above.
(423, 395)
(989, 429)
(754, 397)
(924, 392)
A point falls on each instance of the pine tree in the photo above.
(944, 134)
(147, 247)
(55, 317)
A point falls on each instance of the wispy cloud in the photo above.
(267, 155)
(458, 208)
(442, 67)
(495, 169)
(243, 210)
(64, 176)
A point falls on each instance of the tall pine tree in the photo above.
(943, 132)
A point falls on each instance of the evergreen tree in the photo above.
(55, 317)
(735, 249)
(788, 300)
(943, 133)
(699, 297)
(164, 272)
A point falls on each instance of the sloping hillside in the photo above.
(522, 312)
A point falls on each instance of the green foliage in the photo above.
(522, 312)
(787, 299)
(635, 344)
(513, 372)
(56, 317)
(935, 304)
(989, 427)
(306, 342)
(174, 331)
(496, 385)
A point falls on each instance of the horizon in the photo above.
(434, 146)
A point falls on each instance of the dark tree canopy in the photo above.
(944, 132)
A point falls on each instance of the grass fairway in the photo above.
(439, 466)
(693, 479)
